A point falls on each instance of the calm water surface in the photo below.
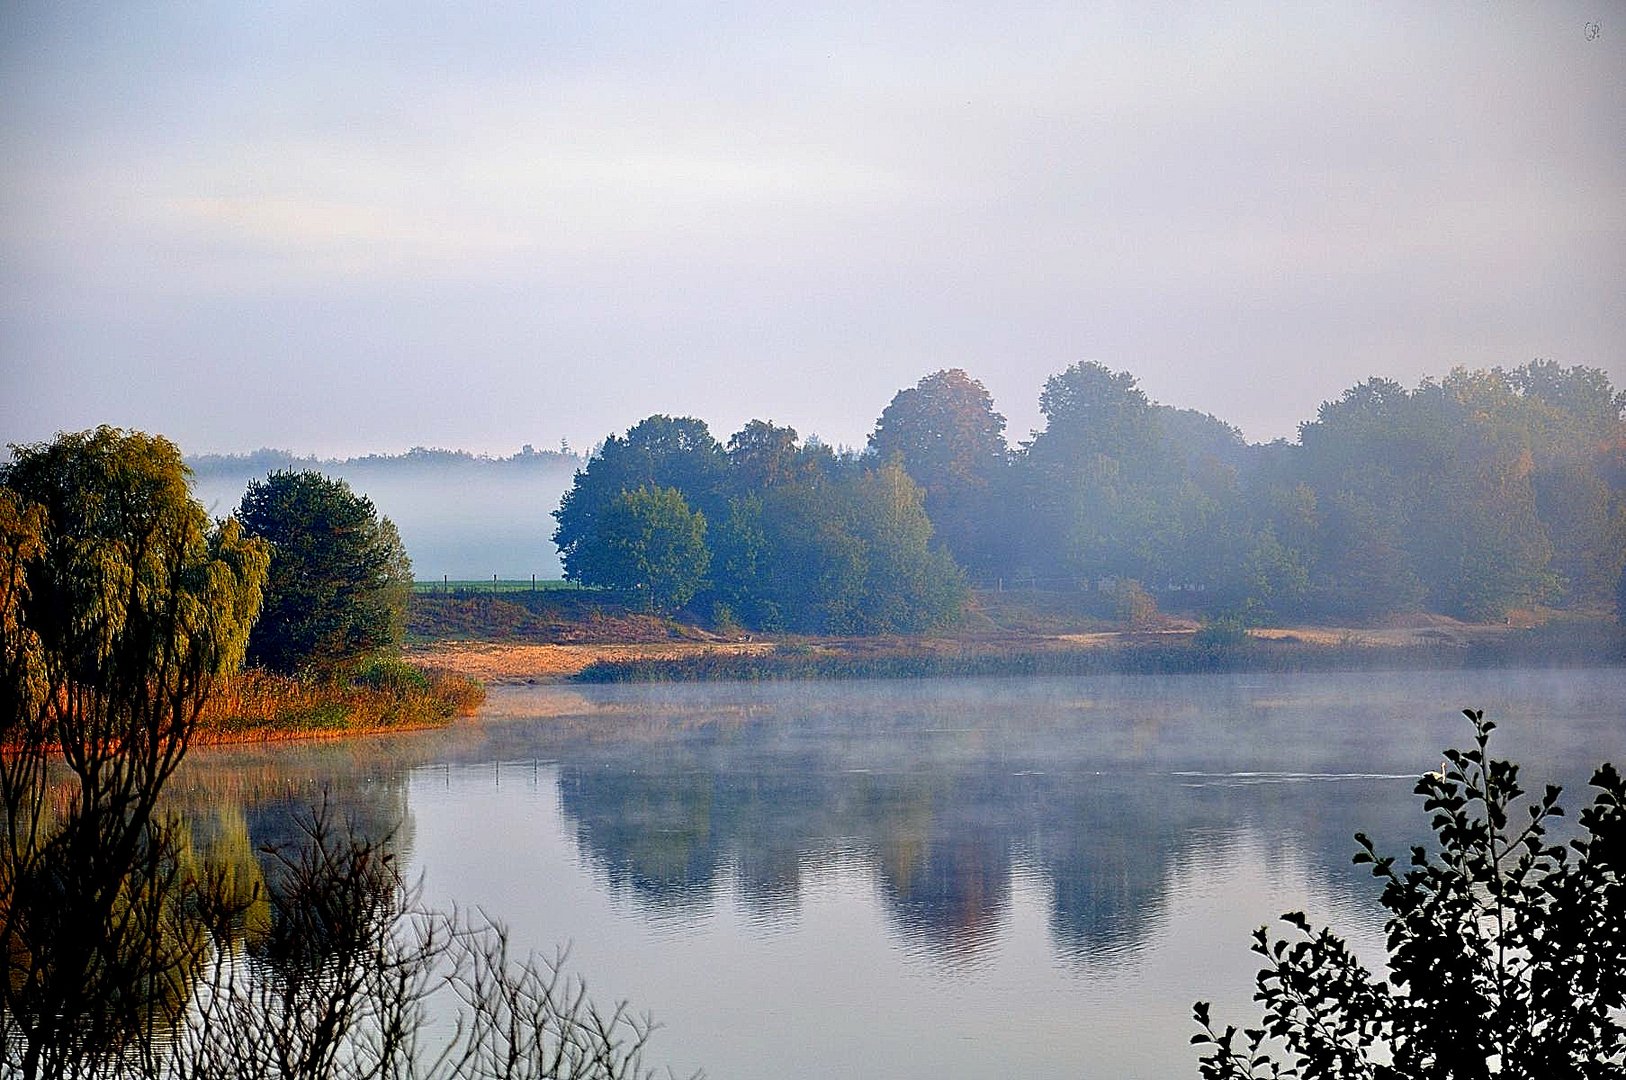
(984, 878)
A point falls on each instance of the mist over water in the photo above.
(938, 878)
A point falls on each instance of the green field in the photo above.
(454, 586)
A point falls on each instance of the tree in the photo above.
(1506, 952)
(852, 555)
(909, 584)
(949, 439)
(1102, 486)
(648, 540)
(339, 580)
(1091, 411)
(128, 951)
(762, 455)
(121, 606)
(659, 451)
(1450, 467)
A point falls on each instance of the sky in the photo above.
(344, 229)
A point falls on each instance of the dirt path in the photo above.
(498, 663)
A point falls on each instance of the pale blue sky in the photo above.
(415, 224)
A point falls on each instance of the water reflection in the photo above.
(1048, 840)
(944, 828)
(948, 791)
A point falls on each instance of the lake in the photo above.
(955, 878)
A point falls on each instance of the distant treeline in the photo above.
(265, 460)
(1468, 495)
(461, 515)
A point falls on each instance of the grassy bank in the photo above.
(466, 587)
(379, 696)
(1566, 646)
(547, 616)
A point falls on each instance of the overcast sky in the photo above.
(407, 224)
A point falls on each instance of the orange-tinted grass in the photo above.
(257, 706)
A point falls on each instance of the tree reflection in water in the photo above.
(304, 958)
(945, 822)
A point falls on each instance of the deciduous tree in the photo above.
(948, 437)
(649, 541)
(121, 605)
(660, 451)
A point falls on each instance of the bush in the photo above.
(1221, 632)
(1134, 606)
(389, 673)
(1507, 953)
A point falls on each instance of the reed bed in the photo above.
(1250, 654)
(380, 696)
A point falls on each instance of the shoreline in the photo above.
(498, 663)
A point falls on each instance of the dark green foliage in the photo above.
(850, 556)
(1222, 632)
(339, 581)
(116, 586)
(804, 539)
(1506, 951)
(763, 455)
(648, 540)
(658, 452)
(1471, 495)
(1092, 412)
(908, 585)
(1104, 493)
(1450, 467)
(1367, 569)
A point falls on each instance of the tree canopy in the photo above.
(339, 580)
(648, 540)
(945, 433)
(797, 537)
(660, 451)
(117, 586)
(1468, 495)
(1471, 495)
(121, 607)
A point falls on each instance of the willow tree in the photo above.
(121, 606)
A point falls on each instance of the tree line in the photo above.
(770, 531)
(1469, 495)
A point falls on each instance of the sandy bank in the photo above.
(496, 663)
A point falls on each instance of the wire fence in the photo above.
(492, 586)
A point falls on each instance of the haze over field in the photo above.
(314, 229)
(460, 516)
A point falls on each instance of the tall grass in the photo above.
(382, 694)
